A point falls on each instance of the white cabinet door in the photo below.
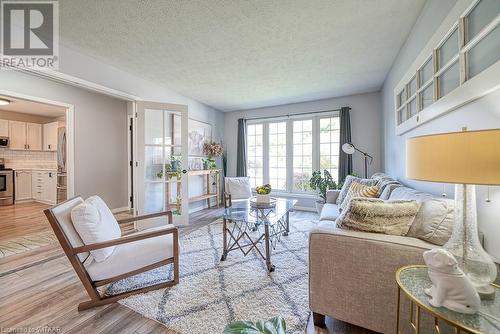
(4, 128)
(34, 136)
(49, 189)
(23, 185)
(50, 136)
(17, 135)
(37, 182)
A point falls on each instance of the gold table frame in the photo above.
(416, 306)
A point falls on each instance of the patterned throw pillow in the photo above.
(347, 185)
(358, 190)
(393, 217)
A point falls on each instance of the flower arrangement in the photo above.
(213, 149)
(263, 190)
(263, 193)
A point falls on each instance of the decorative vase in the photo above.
(175, 165)
(263, 198)
(464, 242)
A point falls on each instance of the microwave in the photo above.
(4, 141)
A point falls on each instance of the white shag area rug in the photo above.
(212, 293)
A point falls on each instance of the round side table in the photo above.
(412, 280)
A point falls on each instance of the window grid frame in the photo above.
(289, 147)
(464, 46)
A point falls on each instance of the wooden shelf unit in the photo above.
(208, 195)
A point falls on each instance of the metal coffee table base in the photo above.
(236, 235)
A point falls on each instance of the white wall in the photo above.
(365, 125)
(481, 114)
(74, 62)
(100, 134)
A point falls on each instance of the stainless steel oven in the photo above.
(6, 187)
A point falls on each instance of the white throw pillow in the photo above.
(94, 222)
(239, 187)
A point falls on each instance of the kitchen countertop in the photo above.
(34, 169)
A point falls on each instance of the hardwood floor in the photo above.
(40, 290)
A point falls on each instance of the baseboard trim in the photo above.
(124, 208)
(305, 208)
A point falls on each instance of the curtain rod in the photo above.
(303, 113)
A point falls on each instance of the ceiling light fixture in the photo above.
(4, 102)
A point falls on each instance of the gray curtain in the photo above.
(241, 156)
(345, 160)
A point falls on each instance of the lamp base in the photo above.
(464, 242)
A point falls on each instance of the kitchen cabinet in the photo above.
(50, 136)
(4, 128)
(34, 136)
(23, 185)
(17, 135)
(44, 186)
(25, 136)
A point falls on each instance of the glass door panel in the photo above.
(162, 161)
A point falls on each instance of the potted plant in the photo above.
(212, 150)
(275, 325)
(322, 183)
(263, 193)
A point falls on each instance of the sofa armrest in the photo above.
(332, 195)
(351, 274)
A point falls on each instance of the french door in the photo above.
(161, 161)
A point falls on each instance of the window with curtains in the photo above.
(285, 152)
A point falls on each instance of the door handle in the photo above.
(184, 171)
(49, 146)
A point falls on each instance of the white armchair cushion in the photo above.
(239, 187)
(94, 222)
(133, 255)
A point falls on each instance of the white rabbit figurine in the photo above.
(451, 288)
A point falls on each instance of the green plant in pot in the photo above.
(322, 183)
(275, 325)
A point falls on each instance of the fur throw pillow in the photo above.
(376, 215)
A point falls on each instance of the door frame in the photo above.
(70, 133)
(138, 160)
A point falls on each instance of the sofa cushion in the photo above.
(386, 193)
(327, 228)
(239, 187)
(133, 255)
(375, 215)
(95, 223)
(329, 212)
(347, 185)
(435, 219)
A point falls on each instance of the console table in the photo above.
(210, 193)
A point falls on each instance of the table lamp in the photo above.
(466, 158)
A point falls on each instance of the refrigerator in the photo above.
(62, 193)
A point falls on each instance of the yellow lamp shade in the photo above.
(467, 157)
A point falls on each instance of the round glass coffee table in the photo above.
(412, 280)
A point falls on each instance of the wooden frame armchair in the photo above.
(59, 218)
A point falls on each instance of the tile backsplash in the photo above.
(27, 155)
(29, 159)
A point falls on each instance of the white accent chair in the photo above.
(129, 255)
(236, 189)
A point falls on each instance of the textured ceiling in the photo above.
(240, 54)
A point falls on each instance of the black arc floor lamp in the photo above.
(349, 148)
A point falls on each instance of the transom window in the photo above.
(282, 152)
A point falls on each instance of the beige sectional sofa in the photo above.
(352, 274)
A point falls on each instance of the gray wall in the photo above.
(481, 114)
(100, 135)
(365, 123)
